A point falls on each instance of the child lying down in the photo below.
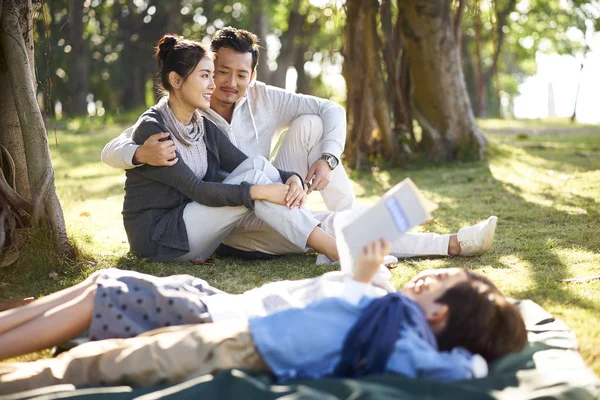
(444, 324)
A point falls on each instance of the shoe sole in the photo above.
(489, 235)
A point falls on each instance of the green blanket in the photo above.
(548, 368)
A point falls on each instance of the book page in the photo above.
(400, 209)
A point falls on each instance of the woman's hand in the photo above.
(371, 257)
(296, 194)
(273, 192)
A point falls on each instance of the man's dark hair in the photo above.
(481, 320)
(175, 53)
(236, 39)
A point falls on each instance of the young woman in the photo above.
(181, 212)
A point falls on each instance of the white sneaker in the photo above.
(477, 239)
(322, 259)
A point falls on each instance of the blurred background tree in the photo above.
(94, 58)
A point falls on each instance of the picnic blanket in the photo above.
(548, 368)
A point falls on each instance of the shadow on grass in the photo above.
(234, 275)
(528, 232)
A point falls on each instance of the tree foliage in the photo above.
(509, 34)
(94, 57)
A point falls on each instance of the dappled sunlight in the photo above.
(408, 268)
(530, 178)
(580, 262)
(514, 274)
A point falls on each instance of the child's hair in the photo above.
(176, 54)
(481, 320)
(236, 39)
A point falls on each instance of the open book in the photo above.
(400, 209)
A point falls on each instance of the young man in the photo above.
(251, 113)
(433, 329)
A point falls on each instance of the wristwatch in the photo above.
(331, 160)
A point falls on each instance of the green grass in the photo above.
(542, 181)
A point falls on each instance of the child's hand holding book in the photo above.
(370, 258)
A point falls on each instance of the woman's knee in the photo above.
(257, 177)
(259, 162)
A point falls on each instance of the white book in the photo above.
(400, 209)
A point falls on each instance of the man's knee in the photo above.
(309, 127)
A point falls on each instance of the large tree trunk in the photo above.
(369, 119)
(79, 71)
(440, 99)
(359, 106)
(10, 130)
(17, 52)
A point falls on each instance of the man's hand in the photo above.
(156, 153)
(320, 174)
(296, 194)
(371, 257)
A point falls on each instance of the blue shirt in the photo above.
(307, 342)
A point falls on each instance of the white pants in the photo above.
(252, 234)
(207, 226)
(300, 148)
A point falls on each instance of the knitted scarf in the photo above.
(371, 341)
(187, 134)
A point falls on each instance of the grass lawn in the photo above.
(542, 181)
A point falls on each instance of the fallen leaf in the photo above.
(10, 258)
(53, 275)
(581, 280)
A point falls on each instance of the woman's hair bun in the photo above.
(165, 45)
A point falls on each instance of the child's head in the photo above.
(465, 309)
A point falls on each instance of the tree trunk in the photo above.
(376, 79)
(303, 81)
(287, 54)
(79, 71)
(440, 100)
(40, 172)
(359, 106)
(260, 26)
(10, 130)
(174, 23)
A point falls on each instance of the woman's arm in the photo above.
(182, 178)
(230, 157)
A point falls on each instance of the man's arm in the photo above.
(183, 179)
(123, 153)
(287, 106)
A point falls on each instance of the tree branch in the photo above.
(458, 17)
(6, 188)
(501, 18)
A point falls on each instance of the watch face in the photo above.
(330, 160)
(333, 162)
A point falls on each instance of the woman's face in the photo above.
(199, 85)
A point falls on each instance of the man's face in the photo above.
(428, 286)
(233, 74)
